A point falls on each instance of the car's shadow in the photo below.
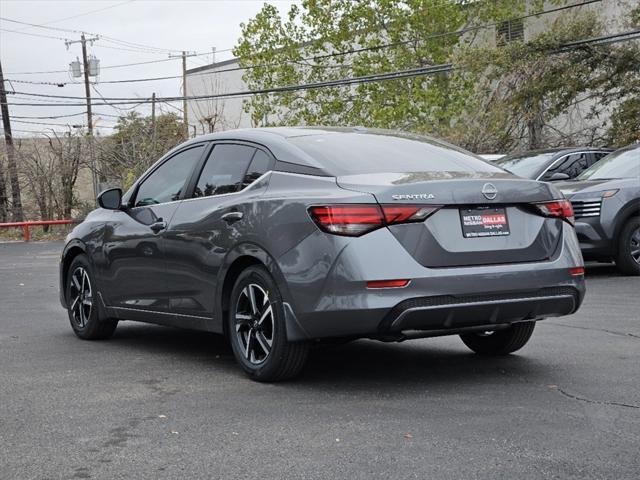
(601, 270)
(360, 365)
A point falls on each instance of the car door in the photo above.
(134, 270)
(206, 226)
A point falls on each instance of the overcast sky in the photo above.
(168, 24)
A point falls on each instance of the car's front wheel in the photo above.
(628, 258)
(82, 303)
(257, 330)
(500, 342)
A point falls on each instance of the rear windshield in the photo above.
(359, 153)
(526, 165)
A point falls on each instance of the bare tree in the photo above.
(211, 112)
(38, 173)
(68, 152)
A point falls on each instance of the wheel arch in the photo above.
(71, 251)
(630, 210)
(236, 261)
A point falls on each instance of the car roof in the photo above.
(559, 151)
(276, 140)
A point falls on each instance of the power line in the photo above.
(41, 35)
(318, 57)
(101, 67)
(58, 124)
(110, 101)
(126, 43)
(85, 13)
(52, 117)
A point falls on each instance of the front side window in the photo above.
(167, 182)
(224, 170)
(571, 165)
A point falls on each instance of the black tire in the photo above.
(500, 342)
(629, 247)
(253, 324)
(83, 306)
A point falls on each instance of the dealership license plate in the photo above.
(484, 222)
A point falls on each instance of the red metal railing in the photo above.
(26, 225)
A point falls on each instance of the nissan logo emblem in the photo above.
(489, 191)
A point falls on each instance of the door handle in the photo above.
(159, 225)
(232, 217)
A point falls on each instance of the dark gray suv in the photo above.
(606, 202)
(282, 238)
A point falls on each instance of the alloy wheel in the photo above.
(81, 296)
(254, 323)
(635, 245)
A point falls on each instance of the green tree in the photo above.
(281, 48)
(497, 98)
(521, 90)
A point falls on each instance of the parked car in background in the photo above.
(606, 203)
(552, 164)
(491, 157)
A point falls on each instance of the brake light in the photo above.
(576, 271)
(556, 209)
(350, 220)
(355, 220)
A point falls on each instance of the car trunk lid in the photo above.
(485, 217)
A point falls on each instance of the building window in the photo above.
(510, 31)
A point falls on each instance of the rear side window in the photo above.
(358, 153)
(224, 170)
(260, 164)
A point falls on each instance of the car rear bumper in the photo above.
(449, 312)
(331, 299)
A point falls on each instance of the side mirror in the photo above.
(559, 176)
(111, 199)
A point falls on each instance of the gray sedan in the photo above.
(283, 238)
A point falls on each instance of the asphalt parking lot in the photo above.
(155, 402)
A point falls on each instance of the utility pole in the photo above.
(16, 200)
(184, 94)
(153, 122)
(185, 116)
(87, 91)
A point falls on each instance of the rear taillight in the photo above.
(351, 220)
(356, 220)
(556, 209)
(407, 213)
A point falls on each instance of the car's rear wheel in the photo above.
(628, 258)
(500, 342)
(82, 303)
(257, 330)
